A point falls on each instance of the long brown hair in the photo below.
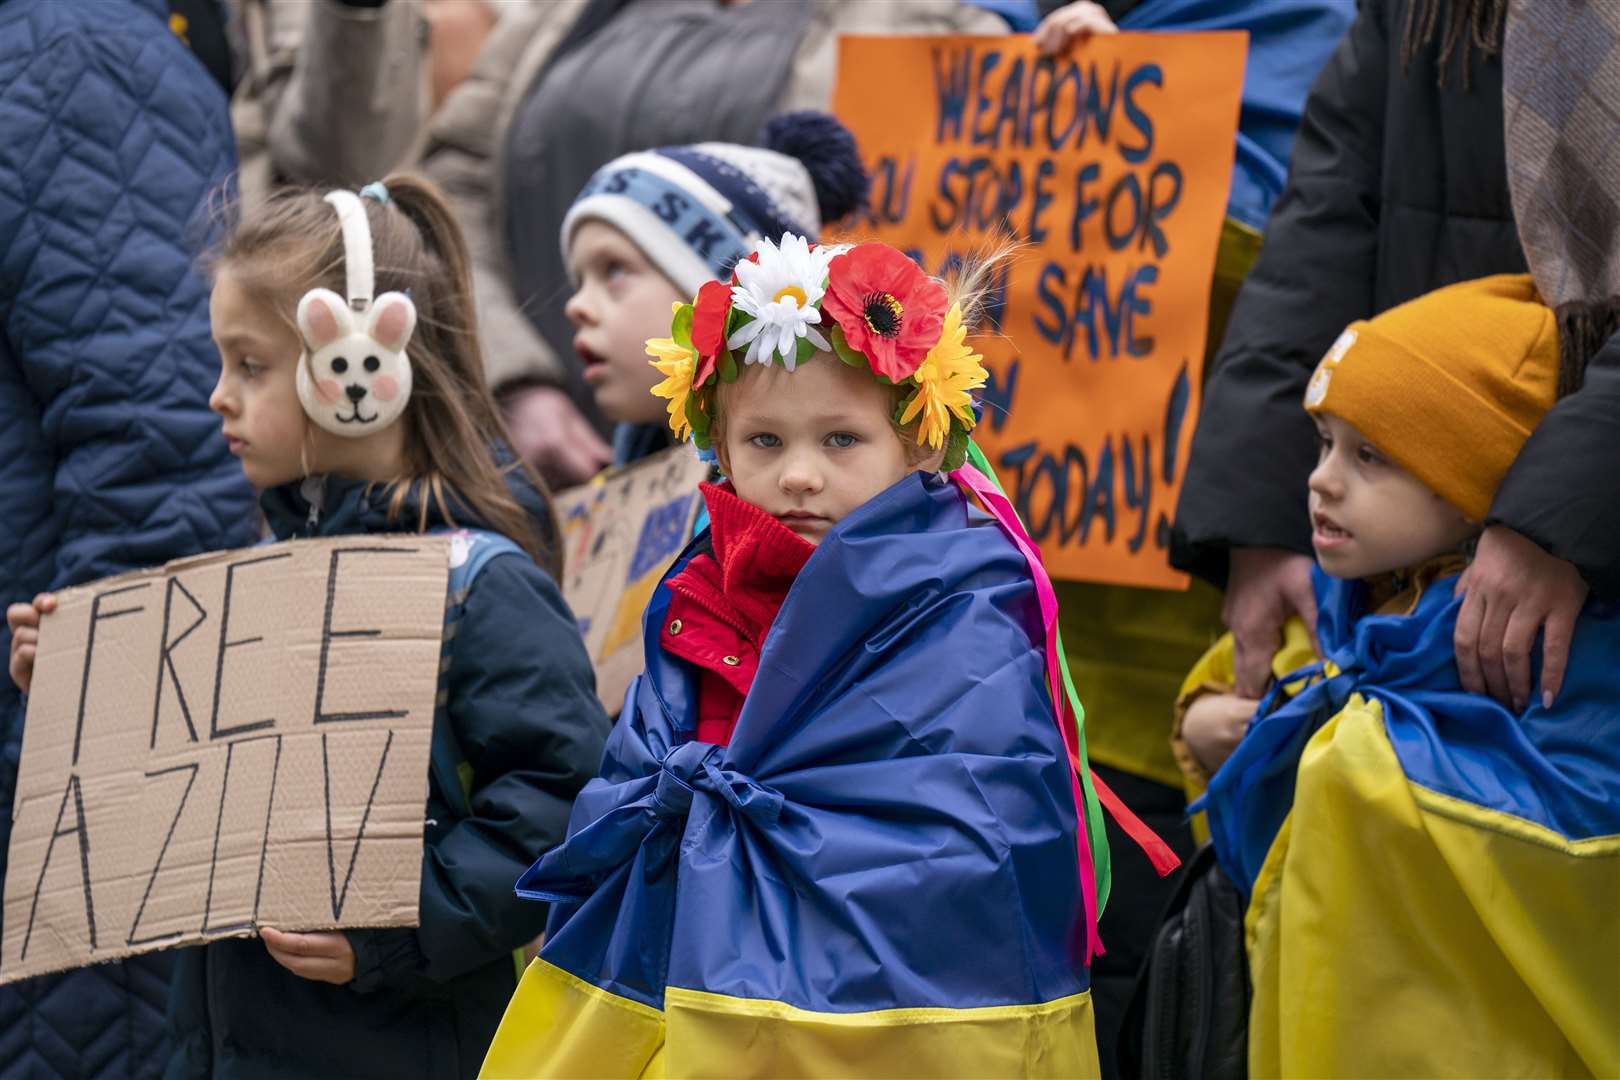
(1468, 25)
(293, 243)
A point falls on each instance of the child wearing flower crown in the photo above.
(651, 228)
(838, 829)
(1419, 859)
(364, 412)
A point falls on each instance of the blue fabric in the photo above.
(521, 714)
(114, 135)
(1289, 41)
(1558, 768)
(895, 795)
(1022, 15)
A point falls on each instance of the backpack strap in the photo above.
(470, 551)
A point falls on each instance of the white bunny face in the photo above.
(354, 379)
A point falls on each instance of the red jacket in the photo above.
(723, 604)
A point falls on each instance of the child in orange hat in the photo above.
(1416, 858)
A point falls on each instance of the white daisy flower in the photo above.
(781, 292)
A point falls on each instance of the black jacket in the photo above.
(1397, 187)
(425, 1001)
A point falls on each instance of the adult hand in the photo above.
(553, 436)
(1264, 586)
(323, 955)
(1214, 725)
(1513, 591)
(1071, 23)
(23, 619)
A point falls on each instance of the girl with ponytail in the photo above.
(372, 416)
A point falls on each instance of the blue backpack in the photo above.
(470, 551)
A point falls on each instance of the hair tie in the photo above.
(376, 191)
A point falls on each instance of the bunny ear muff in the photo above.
(392, 320)
(323, 317)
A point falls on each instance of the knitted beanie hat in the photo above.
(1449, 385)
(695, 211)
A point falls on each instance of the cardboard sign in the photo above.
(233, 741)
(1112, 165)
(619, 536)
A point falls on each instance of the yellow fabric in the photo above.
(716, 1036)
(1213, 674)
(1407, 933)
(1127, 648)
(1448, 385)
(560, 1026)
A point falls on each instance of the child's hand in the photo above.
(1214, 725)
(24, 622)
(1073, 22)
(321, 955)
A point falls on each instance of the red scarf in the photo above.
(723, 604)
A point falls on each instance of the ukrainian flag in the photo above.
(1434, 880)
(879, 876)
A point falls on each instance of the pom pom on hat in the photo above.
(829, 154)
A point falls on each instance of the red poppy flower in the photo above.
(890, 311)
(709, 314)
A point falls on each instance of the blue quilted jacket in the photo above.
(113, 136)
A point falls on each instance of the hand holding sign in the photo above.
(23, 620)
(322, 955)
(1071, 23)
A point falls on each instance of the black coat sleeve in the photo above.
(1253, 448)
(1563, 490)
(524, 708)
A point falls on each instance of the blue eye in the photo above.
(843, 440)
(765, 441)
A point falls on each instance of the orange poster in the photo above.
(1111, 166)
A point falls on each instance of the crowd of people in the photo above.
(1377, 730)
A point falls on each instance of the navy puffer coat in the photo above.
(113, 136)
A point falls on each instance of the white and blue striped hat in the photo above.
(694, 211)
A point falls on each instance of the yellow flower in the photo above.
(944, 381)
(678, 364)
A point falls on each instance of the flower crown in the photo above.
(867, 304)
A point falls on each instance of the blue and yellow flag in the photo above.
(878, 876)
(1434, 880)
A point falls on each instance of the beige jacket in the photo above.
(467, 138)
(332, 94)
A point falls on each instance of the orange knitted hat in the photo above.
(1448, 385)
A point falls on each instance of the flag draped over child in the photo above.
(1421, 860)
(880, 873)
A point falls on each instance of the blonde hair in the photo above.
(293, 243)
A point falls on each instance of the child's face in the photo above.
(1368, 515)
(620, 303)
(812, 445)
(255, 395)
(257, 398)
